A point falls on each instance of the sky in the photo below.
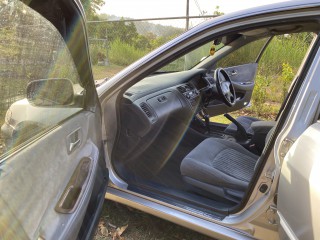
(173, 8)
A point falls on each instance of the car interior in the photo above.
(167, 147)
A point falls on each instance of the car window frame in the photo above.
(78, 55)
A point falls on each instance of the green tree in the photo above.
(217, 11)
(91, 7)
(127, 32)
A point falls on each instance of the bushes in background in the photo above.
(123, 54)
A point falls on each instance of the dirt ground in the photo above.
(119, 222)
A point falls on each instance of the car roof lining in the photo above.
(309, 26)
(255, 33)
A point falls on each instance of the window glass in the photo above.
(277, 68)
(39, 83)
(246, 54)
(191, 59)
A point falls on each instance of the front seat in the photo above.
(245, 122)
(220, 167)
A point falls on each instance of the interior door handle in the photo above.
(75, 188)
(73, 145)
(234, 72)
(73, 140)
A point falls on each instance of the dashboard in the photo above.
(163, 101)
(161, 95)
(156, 112)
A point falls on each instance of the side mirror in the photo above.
(50, 92)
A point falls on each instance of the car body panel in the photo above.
(39, 172)
(38, 182)
(53, 183)
(300, 181)
(258, 204)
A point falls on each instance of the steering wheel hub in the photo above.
(225, 87)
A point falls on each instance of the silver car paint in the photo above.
(258, 204)
(298, 207)
(299, 182)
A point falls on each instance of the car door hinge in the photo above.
(269, 174)
(285, 147)
(271, 215)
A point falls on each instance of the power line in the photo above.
(198, 6)
(152, 19)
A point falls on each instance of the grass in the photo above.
(140, 226)
(100, 72)
(220, 119)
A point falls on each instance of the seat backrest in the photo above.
(260, 130)
(266, 141)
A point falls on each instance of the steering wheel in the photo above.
(225, 87)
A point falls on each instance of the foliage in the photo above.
(286, 77)
(98, 53)
(106, 35)
(91, 7)
(243, 55)
(259, 95)
(123, 54)
(284, 48)
(217, 11)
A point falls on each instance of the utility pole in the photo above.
(187, 16)
(187, 28)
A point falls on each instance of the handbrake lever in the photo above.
(241, 134)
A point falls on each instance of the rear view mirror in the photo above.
(50, 92)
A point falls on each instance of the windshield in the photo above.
(192, 58)
(245, 54)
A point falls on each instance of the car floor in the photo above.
(170, 181)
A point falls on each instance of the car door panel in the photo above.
(243, 79)
(52, 169)
(38, 174)
(299, 180)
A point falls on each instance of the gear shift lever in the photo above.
(206, 118)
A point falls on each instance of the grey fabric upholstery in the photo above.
(245, 121)
(260, 130)
(219, 166)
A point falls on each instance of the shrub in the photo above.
(123, 54)
(290, 49)
(97, 53)
(259, 94)
(287, 76)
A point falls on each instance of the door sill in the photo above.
(203, 224)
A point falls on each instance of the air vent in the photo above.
(182, 89)
(185, 88)
(189, 87)
(128, 94)
(146, 109)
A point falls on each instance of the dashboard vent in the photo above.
(146, 109)
(128, 94)
(185, 88)
(182, 89)
(188, 87)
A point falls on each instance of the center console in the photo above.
(191, 94)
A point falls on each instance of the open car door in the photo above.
(299, 192)
(52, 171)
(241, 71)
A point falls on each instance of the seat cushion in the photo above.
(219, 163)
(245, 121)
